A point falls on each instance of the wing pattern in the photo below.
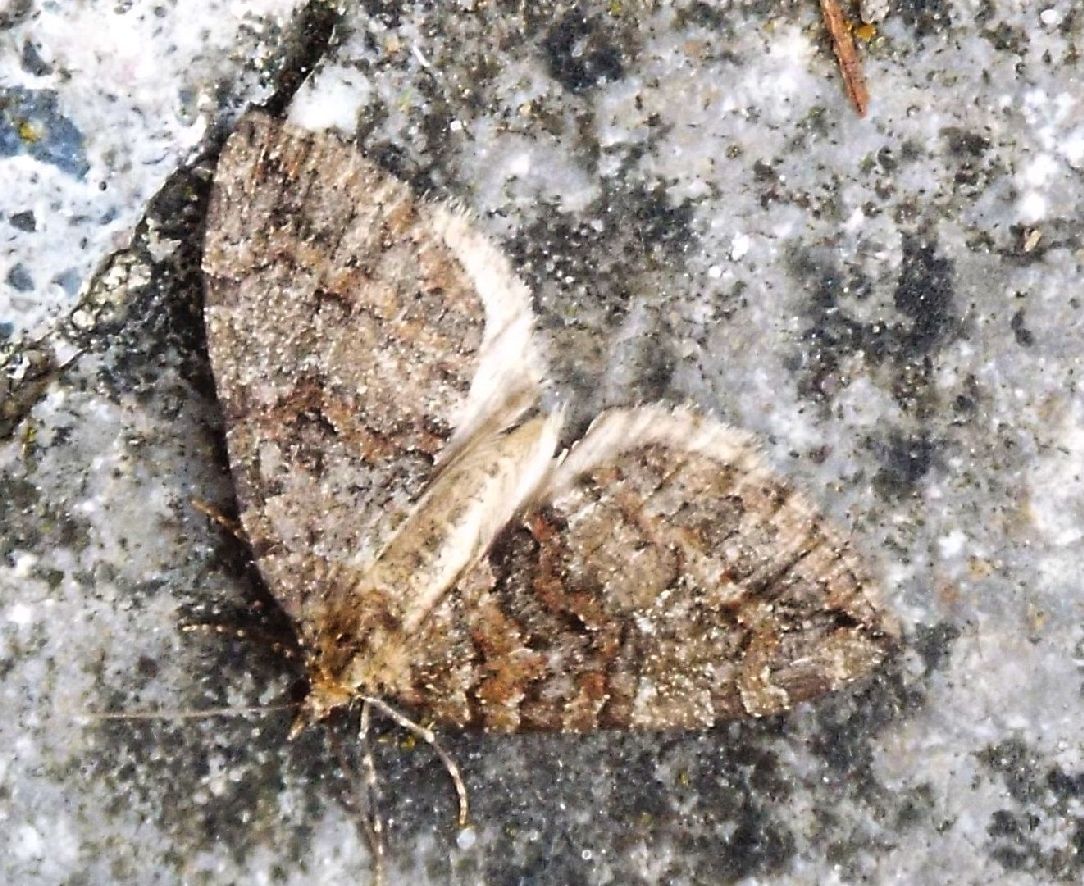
(344, 338)
(670, 580)
(383, 391)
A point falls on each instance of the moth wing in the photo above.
(669, 580)
(358, 337)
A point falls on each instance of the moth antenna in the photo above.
(182, 714)
(430, 739)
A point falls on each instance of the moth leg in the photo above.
(220, 623)
(216, 516)
(375, 824)
(430, 739)
(240, 632)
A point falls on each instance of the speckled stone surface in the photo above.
(892, 303)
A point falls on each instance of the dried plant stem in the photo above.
(854, 82)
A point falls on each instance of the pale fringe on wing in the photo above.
(681, 428)
(512, 368)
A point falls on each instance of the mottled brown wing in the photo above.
(668, 580)
(350, 327)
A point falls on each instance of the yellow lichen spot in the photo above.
(29, 131)
(408, 743)
(30, 438)
(683, 778)
(865, 31)
(1037, 619)
(978, 567)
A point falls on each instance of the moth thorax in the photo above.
(359, 649)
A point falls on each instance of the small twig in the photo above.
(854, 82)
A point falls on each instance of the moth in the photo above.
(394, 438)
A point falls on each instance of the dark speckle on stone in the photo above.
(580, 52)
(967, 401)
(758, 844)
(765, 172)
(1003, 824)
(660, 222)
(6, 329)
(1006, 38)
(1013, 846)
(32, 61)
(933, 643)
(925, 16)
(19, 279)
(832, 333)
(847, 726)
(147, 666)
(916, 806)
(906, 459)
(912, 150)
(1064, 785)
(1041, 795)
(13, 12)
(1013, 761)
(706, 15)
(388, 14)
(31, 123)
(968, 150)
(551, 247)
(23, 221)
(961, 141)
(1024, 336)
(924, 293)
(68, 280)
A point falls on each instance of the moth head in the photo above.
(339, 673)
(325, 696)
